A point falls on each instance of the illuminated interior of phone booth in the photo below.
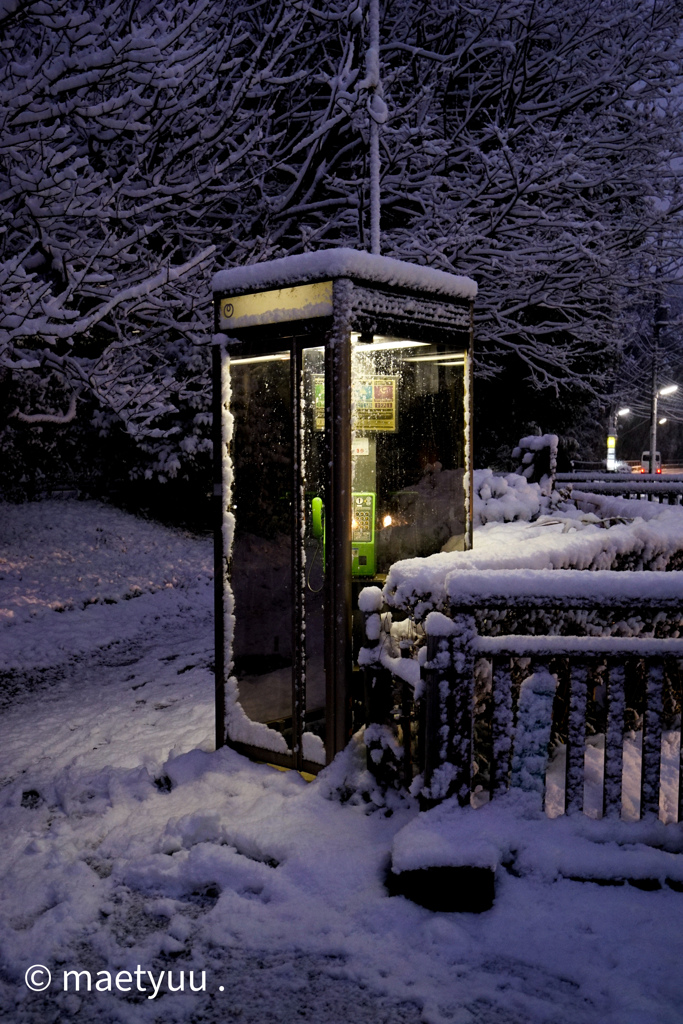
(342, 384)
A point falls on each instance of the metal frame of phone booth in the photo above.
(285, 305)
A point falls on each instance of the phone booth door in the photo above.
(277, 563)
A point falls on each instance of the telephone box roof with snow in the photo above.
(342, 444)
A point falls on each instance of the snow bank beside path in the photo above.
(69, 572)
(513, 830)
(68, 554)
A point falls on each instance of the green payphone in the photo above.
(374, 403)
(363, 533)
(363, 561)
(364, 484)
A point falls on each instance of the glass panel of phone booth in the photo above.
(314, 461)
(408, 453)
(408, 459)
(262, 451)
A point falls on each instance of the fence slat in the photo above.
(502, 725)
(460, 705)
(576, 740)
(652, 740)
(614, 740)
(532, 731)
(449, 679)
(406, 728)
(433, 675)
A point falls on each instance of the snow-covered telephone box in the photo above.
(342, 383)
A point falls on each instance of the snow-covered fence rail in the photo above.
(525, 661)
(653, 487)
(665, 493)
(585, 477)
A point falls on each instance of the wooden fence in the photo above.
(525, 664)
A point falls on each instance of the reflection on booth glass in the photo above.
(262, 454)
(408, 451)
(407, 494)
(264, 450)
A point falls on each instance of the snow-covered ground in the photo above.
(128, 844)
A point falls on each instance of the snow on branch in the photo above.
(529, 147)
(44, 417)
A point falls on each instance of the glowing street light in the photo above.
(657, 393)
(611, 463)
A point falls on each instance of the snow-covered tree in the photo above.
(134, 138)
(89, 115)
(535, 146)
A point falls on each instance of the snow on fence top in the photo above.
(332, 263)
(559, 541)
(571, 585)
(609, 505)
(599, 476)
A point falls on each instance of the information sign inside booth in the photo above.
(374, 403)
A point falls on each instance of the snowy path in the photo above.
(127, 842)
(117, 699)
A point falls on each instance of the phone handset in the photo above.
(318, 533)
(362, 534)
(317, 518)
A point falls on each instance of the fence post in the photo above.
(449, 679)
(576, 739)
(614, 739)
(532, 734)
(652, 739)
(384, 756)
(407, 705)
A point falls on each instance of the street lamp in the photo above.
(657, 394)
(612, 439)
